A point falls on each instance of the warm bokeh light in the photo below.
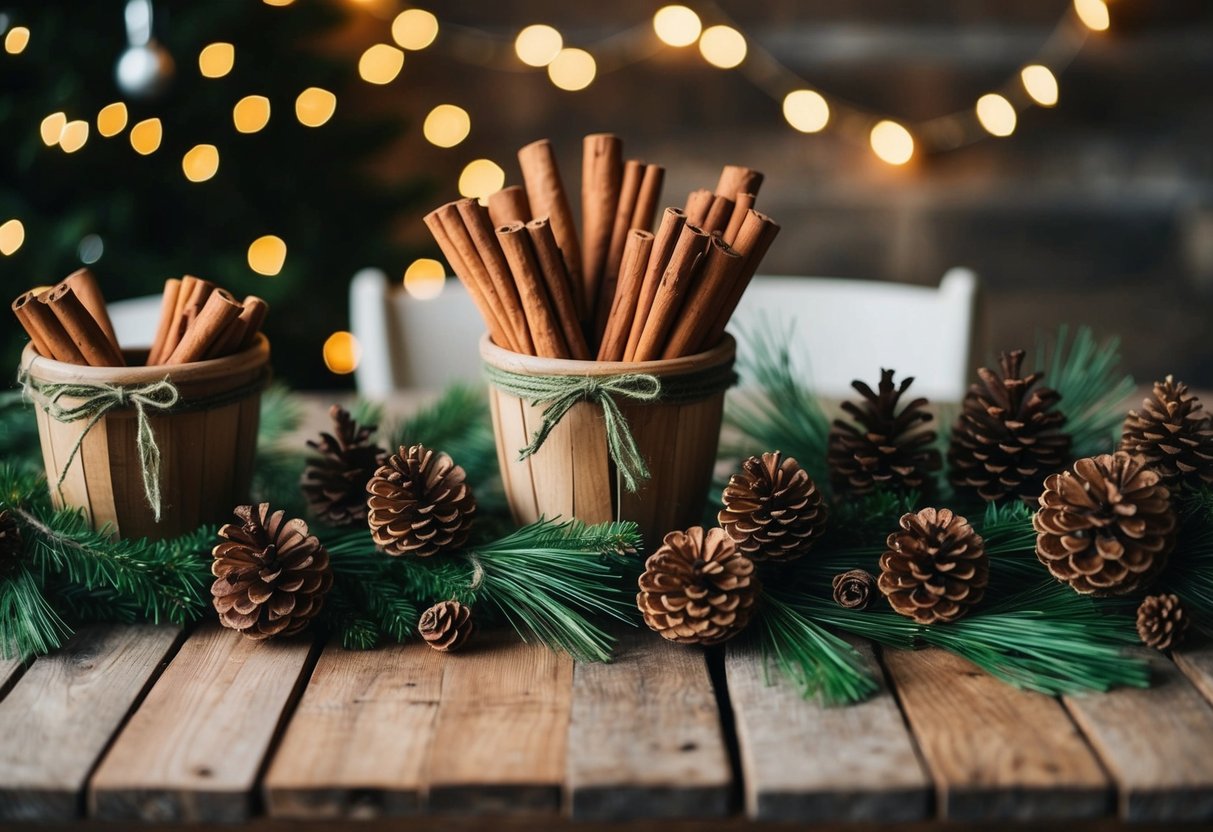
(677, 25)
(251, 113)
(341, 353)
(216, 60)
(266, 255)
(51, 128)
(111, 119)
(315, 106)
(200, 162)
(16, 40)
(722, 46)
(573, 69)
(538, 45)
(481, 178)
(12, 235)
(424, 279)
(1093, 14)
(1040, 83)
(278, 2)
(73, 137)
(892, 142)
(806, 110)
(380, 64)
(414, 29)
(146, 136)
(446, 125)
(996, 114)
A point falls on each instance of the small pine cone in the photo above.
(10, 543)
(446, 626)
(853, 589)
(936, 568)
(335, 479)
(882, 447)
(1107, 527)
(420, 503)
(698, 588)
(773, 509)
(1174, 435)
(271, 575)
(1009, 436)
(1162, 622)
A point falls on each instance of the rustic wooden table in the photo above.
(152, 723)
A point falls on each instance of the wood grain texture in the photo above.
(1195, 659)
(804, 761)
(61, 714)
(645, 739)
(357, 744)
(995, 752)
(193, 749)
(1157, 743)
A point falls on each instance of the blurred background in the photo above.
(278, 147)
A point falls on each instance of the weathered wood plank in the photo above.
(501, 729)
(995, 752)
(1156, 742)
(358, 742)
(193, 749)
(61, 714)
(804, 761)
(645, 739)
(1196, 662)
(10, 669)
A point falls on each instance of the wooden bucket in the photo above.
(572, 475)
(206, 452)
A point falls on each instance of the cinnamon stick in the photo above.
(238, 335)
(672, 221)
(718, 215)
(629, 191)
(736, 179)
(546, 194)
(191, 299)
(675, 281)
(601, 179)
(219, 311)
(757, 233)
(544, 328)
(50, 338)
(82, 328)
(650, 195)
(717, 278)
(509, 205)
(476, 221)
(698, 204)
(168, 309)
(85, 285)
(556, 279)
(741, 205)
(631, 274)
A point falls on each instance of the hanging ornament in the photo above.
(145, 68)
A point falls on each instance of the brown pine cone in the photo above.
(334, 482)
(271, 575)
(697, 588)
(10, 543)
(772, 509)
(936, 568)
(1107, 527)
(882, 448)
(446, 626)
(853, 589)
(1174, 435)
(420, 503)
(1162, 622)
(1009, 436)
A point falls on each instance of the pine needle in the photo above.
(817, 662)
(1093, 388)
(29, 624)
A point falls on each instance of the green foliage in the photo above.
(818, 662)
(1087, 374)
(279, 465)
(29, 624)
(19, 433)
(1189, 572)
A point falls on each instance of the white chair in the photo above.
(850, 329)
(135, 320)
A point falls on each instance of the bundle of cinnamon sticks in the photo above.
(619, 291)
(198, 320)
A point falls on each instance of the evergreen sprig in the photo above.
(457, 423)
(815, 660)
(1086, 372)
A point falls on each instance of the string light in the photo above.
(216, 60)
(1093, 14)
(266, 255)
(806, 110)
(315, 106)
(538, 45)
(146, 135)
(722, 46)
(996, 115)
(342, 352)
(251, 113)
(1040, 83)
(278, 2)
(572, 69)
(424, 279)
(111, 119)
(16, 40)
(481, 178)
(200, 162)
(677, 25)
(51, 128)
(12, 235)
(446, 125)
(891, 142)
(380, 64)
(73, 137)
(414, 29)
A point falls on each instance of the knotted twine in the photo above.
(558, 394)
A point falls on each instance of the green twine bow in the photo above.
(99, 399)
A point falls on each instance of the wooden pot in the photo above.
(206, 454)
(572, 474)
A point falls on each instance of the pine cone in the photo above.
(697, 588)
(10, 543)
(885, 449)
(1008, 437)
(1174, 435)
(446, 626)
(334, 481)
(936, 568)
(271, 575)
(1107, 527)
(853, 589)
(1162, 622)
(772, 509)
(420, 503)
